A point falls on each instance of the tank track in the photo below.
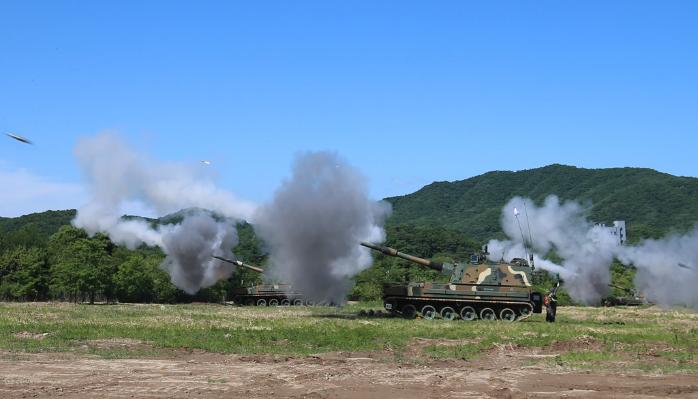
(452, 309)
(271, 300)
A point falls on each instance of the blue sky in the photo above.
(408, 92)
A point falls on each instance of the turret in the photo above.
(478, 271)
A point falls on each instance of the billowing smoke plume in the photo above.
(587, 250)
(190, 246)
(562, 230)
(667, 269)
(118, 175)
(315, 222)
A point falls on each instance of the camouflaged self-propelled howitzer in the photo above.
(631, 299)
(478, 289)
(264, 294)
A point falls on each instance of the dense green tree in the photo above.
(64, 237)
(134, 281)
(141, 279)
(81, 267)
(163, 289)
(24, 274)
(25, 236)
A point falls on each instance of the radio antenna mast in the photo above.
(530, 235)
(523, 239)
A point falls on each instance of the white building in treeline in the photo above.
(618, 230)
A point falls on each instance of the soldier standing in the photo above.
(550, 302)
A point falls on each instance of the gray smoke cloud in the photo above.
(587, 251)
(315, 222)
(667, 269)
(117, 175)
(190, 246)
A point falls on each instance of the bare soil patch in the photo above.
(502, 373)
(117, 343)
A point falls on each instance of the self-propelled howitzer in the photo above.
(631, 298)
(264, 294)
(477, 289)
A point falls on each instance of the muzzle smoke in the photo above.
(117, 175)
(562, 230)
(315, 222)
(667, 269)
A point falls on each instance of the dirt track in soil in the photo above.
(503, 374)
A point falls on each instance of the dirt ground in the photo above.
(502, 374)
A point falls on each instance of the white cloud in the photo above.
(23, 192)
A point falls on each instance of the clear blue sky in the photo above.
(409, 92)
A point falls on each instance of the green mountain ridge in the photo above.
(46, 223)
(651, 202)
(42, 224)
(41, 258)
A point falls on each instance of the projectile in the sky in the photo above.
(205, 162)
(19, 138)
(686, 267)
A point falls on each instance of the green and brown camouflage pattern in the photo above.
(477, 289)
(264, 294)
(632, 298)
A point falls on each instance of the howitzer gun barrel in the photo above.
(241, 264)
(621, 288)
(394, 252)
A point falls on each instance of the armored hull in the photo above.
(466, 301)
(477, 290)
(268, 295)
(264, 294)
(632, 298)
(623, 301)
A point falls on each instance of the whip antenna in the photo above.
(523, 239)
(530, 235)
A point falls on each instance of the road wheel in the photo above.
(525, 311)
(409, 312)
(507, 314)
(428, 312)
(448, 313)
(261, 302)
(274, 302)
(468, 313)
(309, 303)
(285, 302)
(297, 302)
(488, 314)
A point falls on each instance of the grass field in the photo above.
(646, 339)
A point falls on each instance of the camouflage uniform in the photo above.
(551, 305)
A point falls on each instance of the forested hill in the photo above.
(651, 202)
(41, 260)
(41, 225)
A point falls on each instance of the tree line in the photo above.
(71, 266)
(68, 265)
